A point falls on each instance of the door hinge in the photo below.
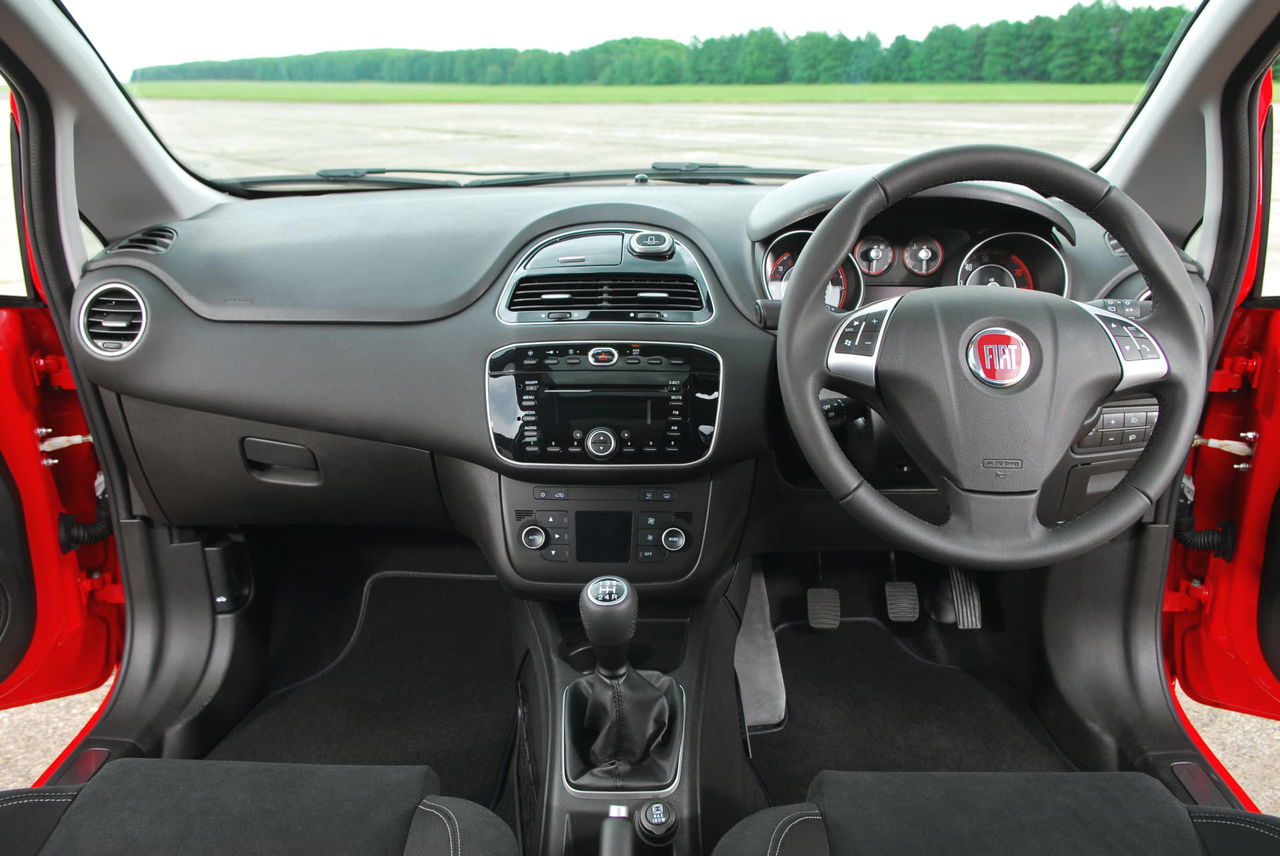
(54, 369)
(1235, 373)
(1189, 597)
(102, 589)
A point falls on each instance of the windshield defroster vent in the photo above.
(590, 292)
(112, 319)
(154, 241)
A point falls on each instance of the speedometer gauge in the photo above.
(843, 290)
(922, 256)
(996, 268)
(1015, 260)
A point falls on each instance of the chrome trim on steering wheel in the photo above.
(856, 345)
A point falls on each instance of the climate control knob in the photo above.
(533, 537)
(601, 444)
(674, 539)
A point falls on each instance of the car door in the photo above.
(1222, 605)
(61, 604)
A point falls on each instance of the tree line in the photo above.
(1095, 43)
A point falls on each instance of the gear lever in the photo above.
(609, 606)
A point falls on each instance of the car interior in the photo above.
(679, 517)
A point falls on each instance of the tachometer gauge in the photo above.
(843, 291)
(922, 256)
(996, 268)
(874, 255)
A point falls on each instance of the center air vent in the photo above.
(590, 292)
(155, 240)
(112, 319)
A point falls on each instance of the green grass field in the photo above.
(387, 93)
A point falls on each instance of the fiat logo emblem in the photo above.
(999, 357)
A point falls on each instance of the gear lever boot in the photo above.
(620, 718)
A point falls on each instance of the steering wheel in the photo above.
(987, 388)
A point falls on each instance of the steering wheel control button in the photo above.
(650, 245)
(673, 539)
(602, 356)
(602, 444)
(533, 537)
(999, 357)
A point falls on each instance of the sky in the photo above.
(137, 33)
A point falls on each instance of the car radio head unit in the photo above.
(603, 403)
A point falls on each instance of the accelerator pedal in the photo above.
(965, 600)
(824, 608)
(903, 601)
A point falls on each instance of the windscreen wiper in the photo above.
(688, 172)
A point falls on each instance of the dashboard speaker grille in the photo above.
(636, 292)
(154, 241)
(112, 320)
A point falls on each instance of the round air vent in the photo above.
(112, 319)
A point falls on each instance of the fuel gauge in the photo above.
(923, 256)
(874, 255)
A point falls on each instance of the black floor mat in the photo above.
(857, 700)
(427, 679)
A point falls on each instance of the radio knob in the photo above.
(602, 444)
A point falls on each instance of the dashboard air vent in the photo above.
(155, 240)
(112, 319)
(628, 292)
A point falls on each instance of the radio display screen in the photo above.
(619, 410)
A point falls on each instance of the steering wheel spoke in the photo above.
(856, 345)
(992, 518)
(1142, 360)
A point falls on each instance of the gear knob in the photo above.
(609, 607)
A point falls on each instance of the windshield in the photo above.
(260, 89)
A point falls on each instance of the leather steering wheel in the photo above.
(987, 388)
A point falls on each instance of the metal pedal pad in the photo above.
(903, 601)
(966, 600)
(824, 608)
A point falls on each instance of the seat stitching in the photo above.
(775, 838)
(783, 837)
(1254, 825)
(457, 826)
(36, 800)
(445, 821)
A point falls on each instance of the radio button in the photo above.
(573, 361)
(632, 361)
(602, 444)
(602, 356)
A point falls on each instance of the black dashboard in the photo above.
(490, 359)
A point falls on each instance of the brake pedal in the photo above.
(824, 608)
(966, 600)
(903, 601)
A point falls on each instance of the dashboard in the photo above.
(584, 361)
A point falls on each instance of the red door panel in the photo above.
(75, 642)
(1212, 603)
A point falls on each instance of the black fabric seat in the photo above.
(203, 808)
(1011, 814)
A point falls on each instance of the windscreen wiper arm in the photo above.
(689, 172)
(376, 177)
